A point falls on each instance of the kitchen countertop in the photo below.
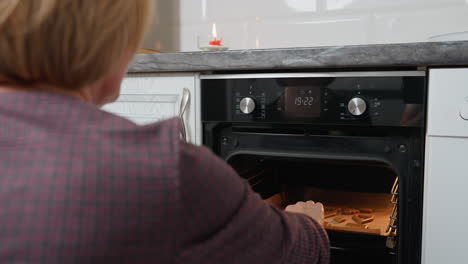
(454, 53)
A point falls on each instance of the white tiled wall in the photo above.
(248, 24)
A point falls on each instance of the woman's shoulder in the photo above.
(67, 120)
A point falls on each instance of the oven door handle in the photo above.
(184, 103)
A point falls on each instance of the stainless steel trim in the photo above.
(185, 100)
(314, 75)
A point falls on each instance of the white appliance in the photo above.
(445, 217)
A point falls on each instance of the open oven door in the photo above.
(380, 175)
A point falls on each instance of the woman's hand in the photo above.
(309, 208)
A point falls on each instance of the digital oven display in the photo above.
(302, 101)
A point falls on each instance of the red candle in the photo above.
(215, 41)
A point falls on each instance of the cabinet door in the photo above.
(446, 169)
(148, 98)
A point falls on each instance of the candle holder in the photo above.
(214, 44)
(211, 47)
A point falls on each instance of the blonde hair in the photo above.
(67, 43)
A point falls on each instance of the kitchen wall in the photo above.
(250, 24)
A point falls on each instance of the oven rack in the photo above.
(392, 226)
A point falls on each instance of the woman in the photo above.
(79, 185)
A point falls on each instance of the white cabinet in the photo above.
(148, 98)
(446, 174)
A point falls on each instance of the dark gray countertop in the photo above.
(384, 55)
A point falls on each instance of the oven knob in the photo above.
(247, 105)
(357, 106)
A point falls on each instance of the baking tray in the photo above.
(379, 202)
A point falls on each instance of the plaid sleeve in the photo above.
(226, 222)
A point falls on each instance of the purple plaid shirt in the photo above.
(79, 185)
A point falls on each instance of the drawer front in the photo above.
(147, 98)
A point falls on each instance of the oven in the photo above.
(351, 140)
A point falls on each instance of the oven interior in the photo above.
(349, 190)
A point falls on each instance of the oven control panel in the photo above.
(387, 100)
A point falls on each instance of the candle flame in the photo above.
(214, 32)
